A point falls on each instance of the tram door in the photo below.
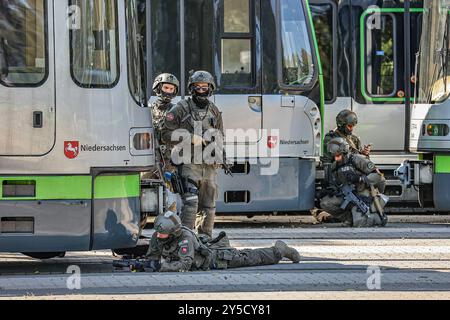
(237, 42)
(27, 90)
(380, 94)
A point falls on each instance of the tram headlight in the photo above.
(437, 130)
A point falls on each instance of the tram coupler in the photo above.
(415, 173)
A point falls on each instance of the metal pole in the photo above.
(407, 35)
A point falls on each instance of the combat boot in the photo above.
(287, 252)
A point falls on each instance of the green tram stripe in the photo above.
(75, 187)
(111, 187)
(53, 187)
(442, 164)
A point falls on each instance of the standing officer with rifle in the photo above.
(355, 194)
(198, 116)
(166, 87)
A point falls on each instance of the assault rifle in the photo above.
(351, 198)
(137, 265)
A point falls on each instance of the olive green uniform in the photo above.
(187, 253)
(200, 180)
(353, 164)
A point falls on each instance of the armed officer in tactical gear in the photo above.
(355, 173)
(346, 121)
(198, 176)
(174, 248)
(166, 87)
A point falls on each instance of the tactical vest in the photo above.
(209, 117)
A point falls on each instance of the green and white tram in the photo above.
(430, 114)
(76, 134)
(263, 56)
(73, 135)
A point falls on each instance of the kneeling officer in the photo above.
(174, 248)
(355, 193)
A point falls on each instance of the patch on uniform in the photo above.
(184, 250)
(371, 166)
(170, 117)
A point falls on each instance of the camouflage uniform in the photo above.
(159, 113)
(200, 180)
(353, 141)
(160, 108)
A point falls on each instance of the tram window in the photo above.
(23, 43)
(199, 32)
(165, 33)
(136, 47)
(236, 61)
(237, 44)
(236, 16)
(323, 16)
(297, 60)
(94, 48)
(381, 61)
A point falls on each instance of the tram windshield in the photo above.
(433, 63)
(23, 53)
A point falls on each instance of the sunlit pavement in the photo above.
(402, 261)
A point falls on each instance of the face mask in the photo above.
(165, 97)
(201, 99)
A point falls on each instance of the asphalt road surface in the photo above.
(401, 261)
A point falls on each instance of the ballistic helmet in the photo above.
(346, 117)
(168, 223)
(201, 76)
(166, 78)
(338, 146)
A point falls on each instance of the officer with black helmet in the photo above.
(175, 248)
(197, 115)
(358, 171)
(346, 121)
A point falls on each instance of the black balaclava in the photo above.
(201, 99)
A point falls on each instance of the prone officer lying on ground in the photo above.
(174, 248)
